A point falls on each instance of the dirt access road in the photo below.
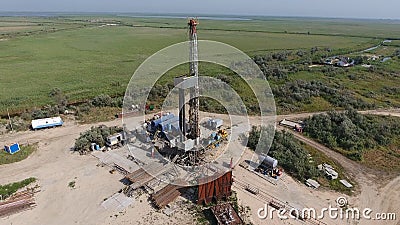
(378, 192)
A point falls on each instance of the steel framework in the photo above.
(194, 72)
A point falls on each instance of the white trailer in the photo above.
(47, 123)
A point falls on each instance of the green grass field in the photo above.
(85, 60)
(320, 26)
(25, 152)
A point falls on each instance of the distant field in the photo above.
(258, 42)
(7, 29)
(345, 27)
(11, 27)
(15, 23)
(395, 43)
(85, 60)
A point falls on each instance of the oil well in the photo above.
(185, 142)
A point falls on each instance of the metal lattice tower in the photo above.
(194, 71)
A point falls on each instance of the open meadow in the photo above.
(87, 56)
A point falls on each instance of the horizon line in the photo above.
(198, 14)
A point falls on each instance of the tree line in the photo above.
(290, 154)
(289, 95)
(353, 132)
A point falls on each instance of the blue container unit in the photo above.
(14, 148)
(166, 125)
(95, 147)
(156, 122)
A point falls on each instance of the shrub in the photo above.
(96, 135)
(288, 151)
(301, 92)
(353, 132)
(9, 189)
(102, 101)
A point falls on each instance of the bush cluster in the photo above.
(96, 135)
(287, 150)
(352, 131)
(292, 93)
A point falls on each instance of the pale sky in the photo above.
(382, 9)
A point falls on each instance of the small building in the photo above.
(114, 139)
(329, 171)
(331, 174)
(14, 148)
(339, 61)
(95, 147)
(47, 123)
(312, 183)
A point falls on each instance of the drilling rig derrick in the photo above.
(194, 72)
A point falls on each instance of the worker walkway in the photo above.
(166, 195)
(117, 202)
(115, 159)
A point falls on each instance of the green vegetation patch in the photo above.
(96, 135)
(25, 152)
(9, 189)
(294, 95)
(298, 159)
(86, 59)
(371, 139)
(289, 152)
(318, 158)
(165, 84)
(97, 114)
